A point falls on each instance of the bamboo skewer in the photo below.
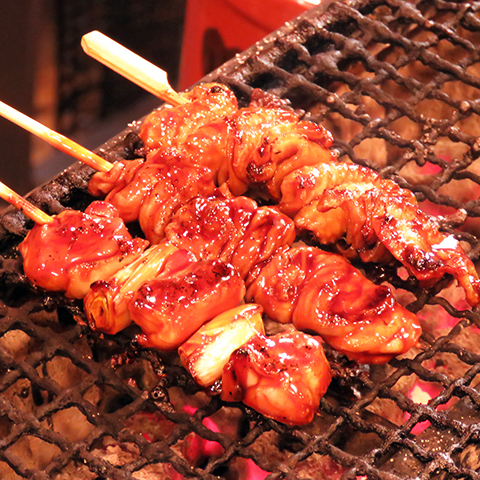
(122, 61)
(55, 139)
(131, 66)
(30, 210)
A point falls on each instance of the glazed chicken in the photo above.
(171, 126)
(224, 151)
(323, 293)
(256, 146)
(151, 191)
(125, 186)
(283, 376)
(290, 160)
(78, 248)
(168, 292)
(175, 304)
(376, 218)
(234, 230)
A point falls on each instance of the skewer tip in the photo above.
(24, 206)
(130, 65)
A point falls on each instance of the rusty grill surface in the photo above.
(398, 84)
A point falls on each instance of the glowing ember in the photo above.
(422, 394)
(254, 472)
(198, 447)
(419, 395)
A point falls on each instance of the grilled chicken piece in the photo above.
(283, 377)
(257, 146)
(171, 126)
(171, 307)
(207, 351)
(290, 159)
(374, 216)
(234, 230)
(322, 292)
(125, 186)
(78, 248)
(251, 145)
(151, 191)
(114, 180)
(180, 182)
(106, 304)
(271, 143)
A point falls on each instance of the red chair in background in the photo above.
(215, 30)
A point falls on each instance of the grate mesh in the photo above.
(398, 83)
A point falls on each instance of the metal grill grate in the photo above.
(399, 86)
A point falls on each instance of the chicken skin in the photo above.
(78, 248)
(323, 293)
(283, 376)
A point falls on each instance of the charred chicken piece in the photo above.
(234, 230)
(171, 126)
(322, 292)
(106, 304)
(174, 305)
(377, 219)
(151, 191)
(207, 351)
(283, 377)
(78, 248)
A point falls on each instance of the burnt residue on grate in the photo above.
(398, 84)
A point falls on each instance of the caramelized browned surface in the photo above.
(150, 191)
(78, 248)
(252, 146)
(177, 182)
(234, 230)
(174, 305)
(283, 376)
(171, 126)
(373, 214)
(270, 143)
(321, 292)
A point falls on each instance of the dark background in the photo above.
(45, 74)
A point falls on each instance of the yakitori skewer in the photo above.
(55, 139)
(131, 66)
(283, 155)
(70, 251)
(30, 210)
